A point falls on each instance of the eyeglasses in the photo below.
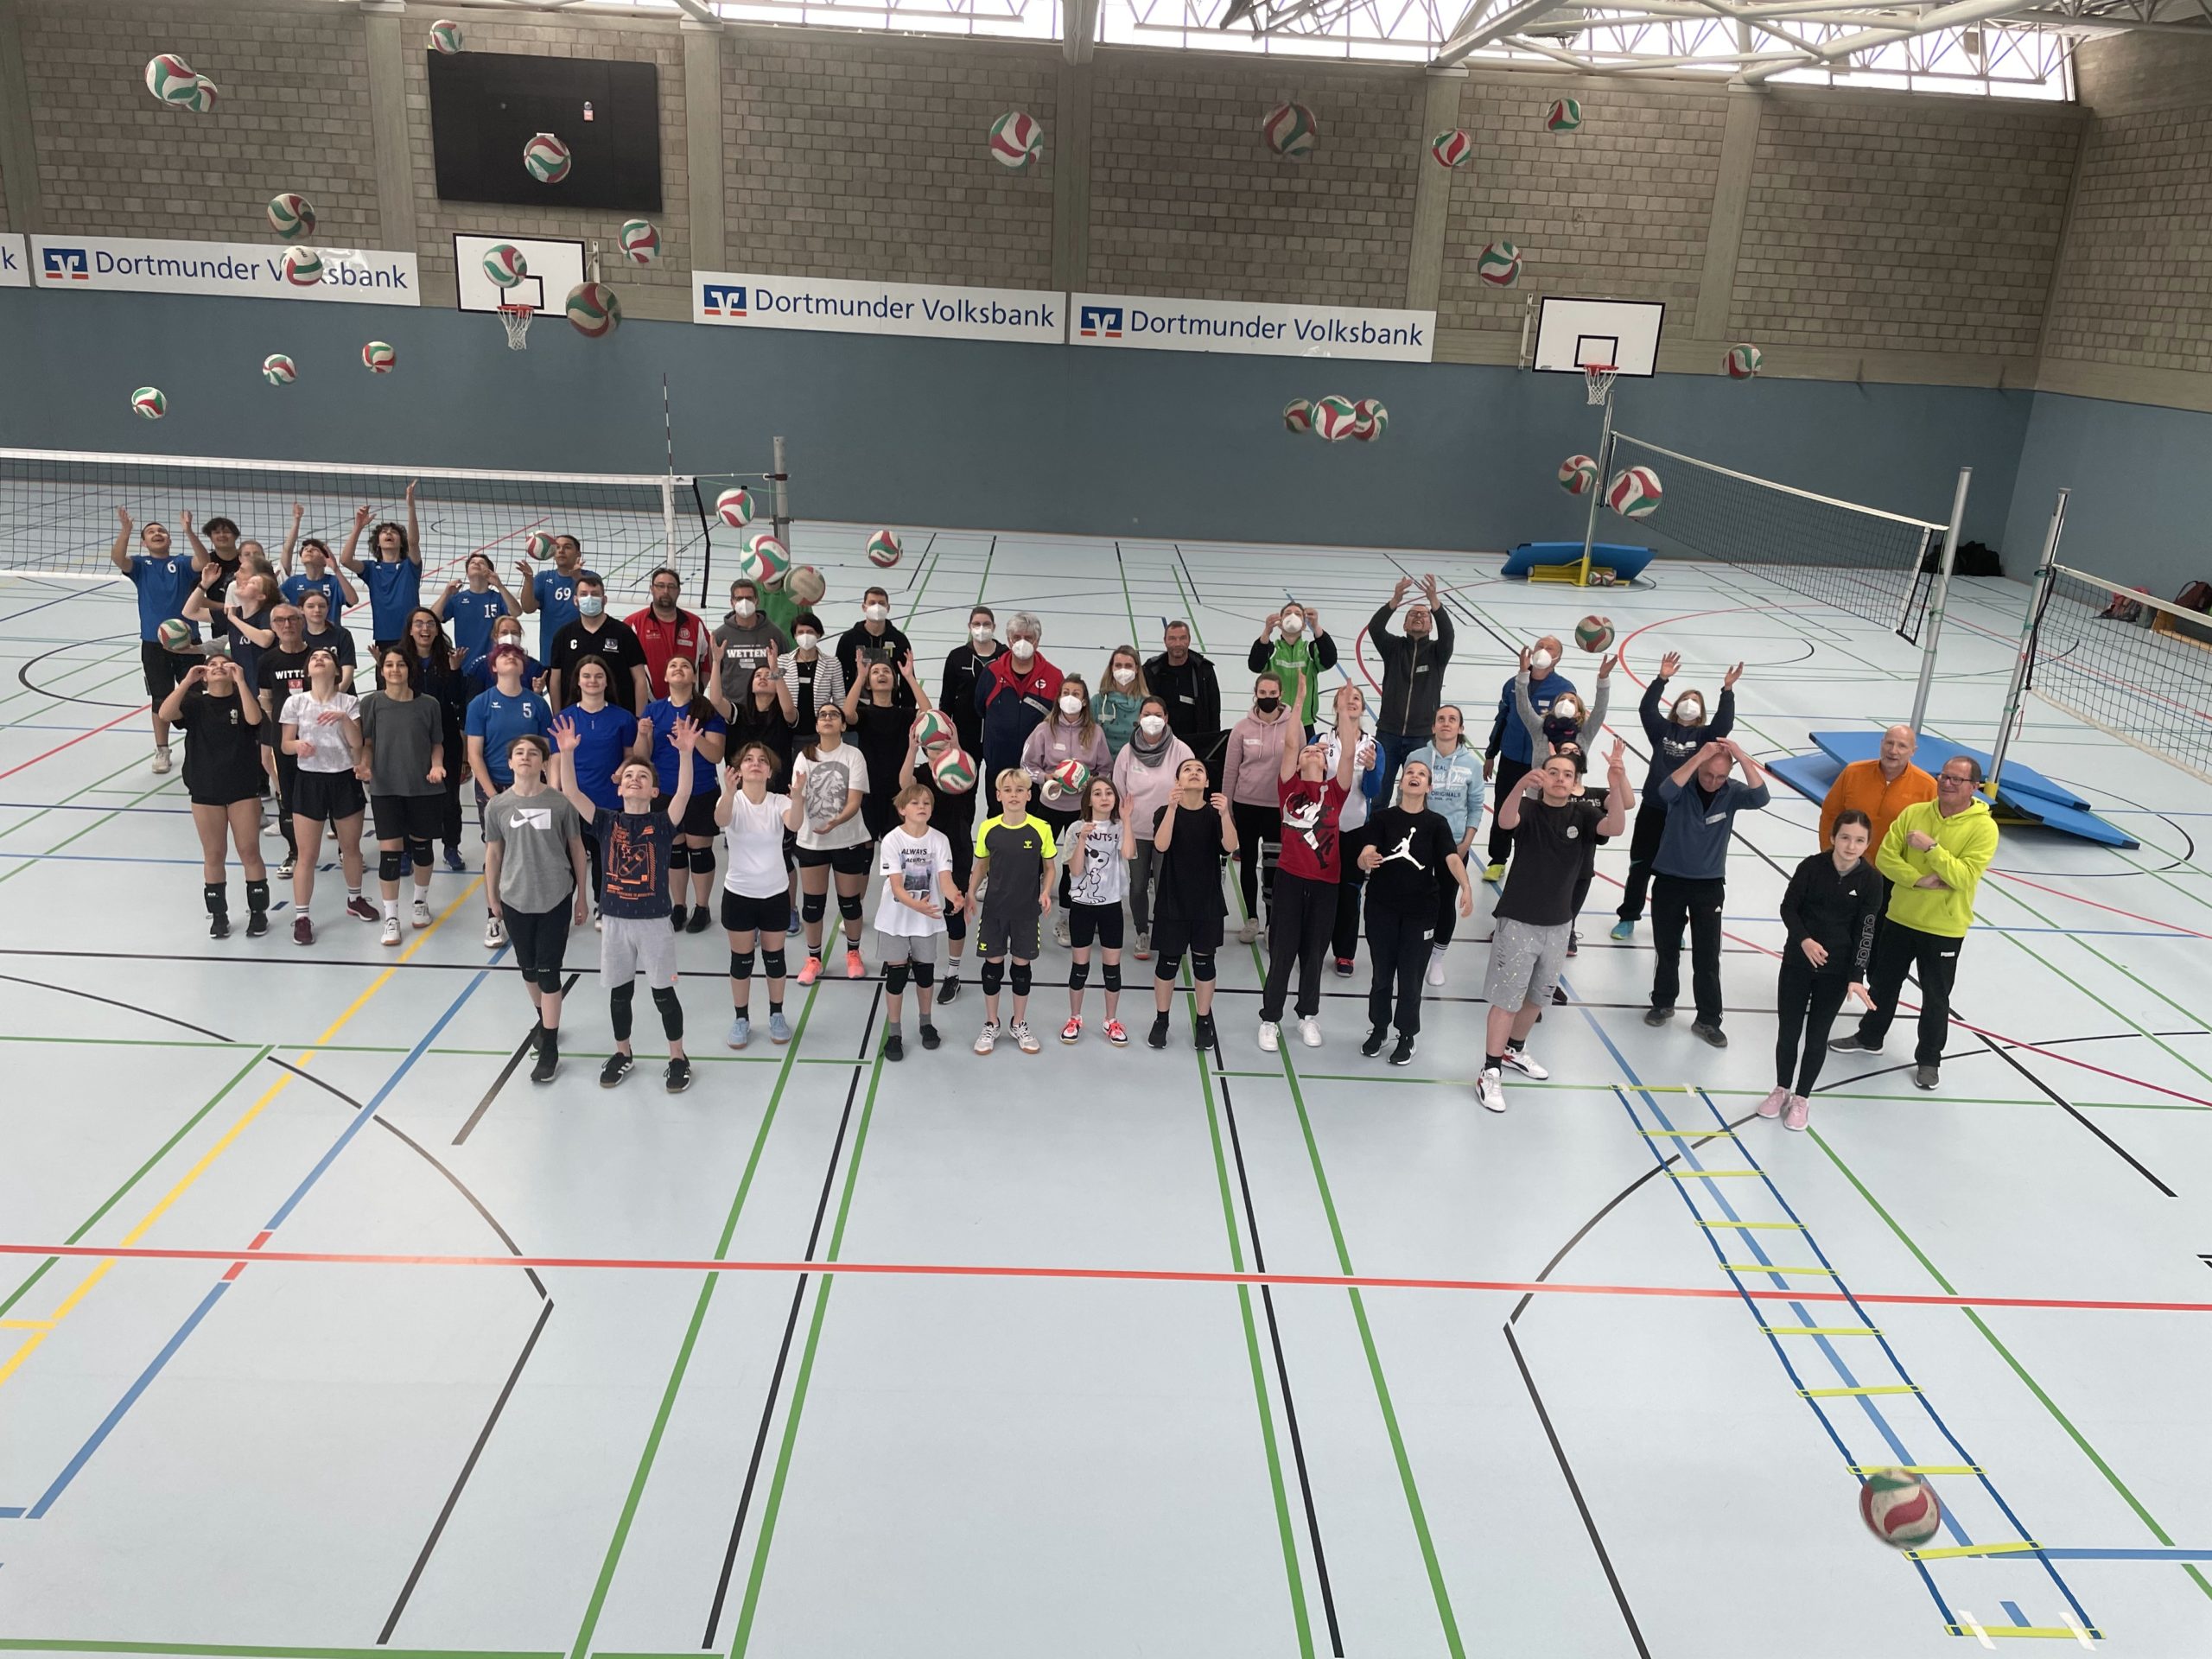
(1956, 782)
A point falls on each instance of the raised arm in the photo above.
(349, 555)
(1724, 715)
(1594, 721)
(1348, 736)
(569, 739)
(200, 555)
(413, 529)
(1620, 794)
(1293, 731)
(119, 552)
(172, 704)
(291, 540)
(685, 735)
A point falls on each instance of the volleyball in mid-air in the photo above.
(804, 585)
(1499, 265)
(538, 545)
(1564, 114)
(170, 78)
(200, 96)
(378, 358)
(302, 267)
(546, 158)
(1289, 131)
(149, 402)
(1634, 492)
(1334, 417)
(445, 37)
(1594, 633)
(884, 549)
(291, 215)
(505, 265)
(1017, 139)
(279, 370)
(765, 559)
(1452, 149)
(932, 733)
(1298, 415)
(953, 772)
(640, 241)
(1899, 1507)
(593, 309)
(1578, 474)
(734, 507)
(1742, 362)
(1369, 419)
(176, 634)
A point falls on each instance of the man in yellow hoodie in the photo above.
(1934, 856)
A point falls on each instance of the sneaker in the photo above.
(1853, 1043)
(1712, 1034)
(1248, 932)
(1072, 1031)
(420, 914)
(302, 930)
(160, 757)
(1573, 943)
(1495, 873)
(1060, 931)
(893, 1047)
(1024, 1038)
(284, 870)
(677, 1076)
(1435, 974)
(699, 919)
(1527, 1064)
(548, 1062)
(1144, 944)
(256, 924)
(1925, 1076)
(619, 1065)
(1658, 1016)
(795, 923)
(1489, 1089)
(988, 1038)
(676, 917)
(1156, 1037)
(930, 1038)
(495, 933)
(391, 933)
(1115, 1033)
(741, 1031)
(1558, 996)
(598, 921)
(1309, 1031)
(947, 988)
(1402, 1054)
(779, 1029)
(854, 966)
(1344, 967)
(1772, 1105)
(1202, 1034)
(361, 908)
(1270, 1035)
(1623, 930)
(1798, 1113)
(455, 861)
(1376, 1038)
(810, 971)
(219, 924)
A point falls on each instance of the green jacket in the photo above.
(1965, 844)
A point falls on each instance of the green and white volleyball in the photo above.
(1369, 420)
(1298, 415)
(291, 215)
(593, 309)
(505, 264)
(149, 402)
(765, 559)
(445, 37)
(279, 370)
(170, 78)
(1742, 362)
(202, 96)
(640, 241)
(1017, 139)
(884, 549)
(378, 358)
(1290, 131)
(546, 158)
(734, 507)
(1564, 114)
(1634, 492)
(1452, 149)
(1499, 265)
(1578, 474)
(302, 267)
(1333, 418)
(538, 545)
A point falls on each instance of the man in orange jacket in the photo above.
(1880, 788)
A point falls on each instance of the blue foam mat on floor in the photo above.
(1625, 562)
(1812, 775)
(1934, 752)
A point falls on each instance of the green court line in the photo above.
(222, 1651)
(928, 569)
(989, 553)
(636, 1492)
(27, 862)
(74, 795)
(116, 1196)
(2005, 1354)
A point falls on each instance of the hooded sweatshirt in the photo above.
(1060, 738)
(1253, 771)
(737, 648)
(1965, 844)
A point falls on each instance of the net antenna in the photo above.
(517, 315)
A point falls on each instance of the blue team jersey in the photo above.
(469, 617)
(297, 587)
(477, 670)
(500, 719)
(395, 589)
(557, 604)
(662, 715)
(606, 737)
(163, 585)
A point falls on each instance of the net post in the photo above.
(1936, 600)
(2038, 586)
(668, 519)
(782, 480)
(1598, 490)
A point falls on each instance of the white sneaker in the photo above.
(1309, 1031)
(495, 933)
(1248, 932)
(391, 930)
(1270, 1035)
(598, 922)
(1489, 1089)
(988, 1038)
(1060, 931)
(1526, 1064)
(160, 757)
(1436, 968)
(421, 917)
(1024, 1038)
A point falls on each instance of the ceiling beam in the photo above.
(1510, 21)
(1079, 29)
(1941, 17)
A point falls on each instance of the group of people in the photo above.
(618, 767)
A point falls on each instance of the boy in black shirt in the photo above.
(1190, 835)
(1017, 852)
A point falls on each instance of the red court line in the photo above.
(1126, 1275)
(71, 742)
(2060, 893)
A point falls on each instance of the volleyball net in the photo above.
(58, 512)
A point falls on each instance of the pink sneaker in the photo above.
(854, 966)
(811, 971)
(1772, 1105)
(1800, 1111)
(1072, 1032)
(1115, 1035)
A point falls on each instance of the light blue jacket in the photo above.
(1455, 787)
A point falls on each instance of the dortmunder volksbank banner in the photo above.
(252, 269)
(1131, 322)
(750, 300)
(15, 263)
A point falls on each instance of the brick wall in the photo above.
(294, 115)
(1619, 209)
(436, 221)
(1903, 223)
(849, 155)
(1186, 199)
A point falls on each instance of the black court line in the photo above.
(1453, 601)
(23, 673)
(2076, 1113)
(506, 1072)
(468, 1468)
(790, 1326)
(1196, 598)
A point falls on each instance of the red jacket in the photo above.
(686, 636)
(1008, 720)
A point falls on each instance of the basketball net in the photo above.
(1597, 378)
(517, 319)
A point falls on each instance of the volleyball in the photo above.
(1578, 474)
(1369, 419)
(734, 507)
(883, 548)
(932, 733)
(1634, 492)
(291, 215)
(1564, 116)
(1452, 149)
(1499, 265)
(547, 159)
(1899, 1507)
(1334, 417)
(765, 559)
(445, 37)
(804, 585)
(1298, 415)
(640, 241)
(1742, 362)
(1017, 139)
(1289, 129)
(1594, 633)
(200, 96)
(279, 370)
(170, 78)
(954, 772)
(302, 267)
(1070, 777)
(176, 634)
(377, 357)
(505, 264)
(593, 312)
(149, 402)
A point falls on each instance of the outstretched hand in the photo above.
(566, 737)
(1729, 679)
(1670, 664)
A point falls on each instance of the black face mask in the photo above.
(1267, 705)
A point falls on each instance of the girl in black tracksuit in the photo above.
(1830, 908)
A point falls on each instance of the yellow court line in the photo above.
(1838, 1393)
(1759, 1226)
(1915, 1468)
(2050, 1633)
(1817, 1330)
(1762, 1267)
(1956, 1551)
(25, 1325)
(229, 1138)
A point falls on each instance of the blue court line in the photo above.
(354, 1127)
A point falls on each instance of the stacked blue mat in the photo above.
(2023, 793)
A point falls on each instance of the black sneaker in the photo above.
(219, 924)
(256, 924)
(677, 1077)
(1712, 1034)
(1202, 1036)
(548, 1062)
(676, 917)
(1658, 1016)
(619, 1065)
(893, 1049)
(1403, 1053)
(1853, 1043)
(1558, 996)
(1376, 1038)
(947, 988)
(1156, 1037)
(930, 1038)
(1574, 944)
(535, 1040)
(698, 922)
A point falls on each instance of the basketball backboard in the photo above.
(1575, 334)
(555, 265)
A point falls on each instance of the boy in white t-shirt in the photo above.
(916, 862)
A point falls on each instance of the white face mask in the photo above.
(1564, 711)
(1151, 725)
(1125, 676)
(807, 641)
(879, 613)
(1070, 706)
(1023, 649)
(1293, 623)
(1540, 662)
(980, 634)
(1688, 711)
(743, 610)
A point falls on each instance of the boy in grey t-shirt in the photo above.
(535, 883)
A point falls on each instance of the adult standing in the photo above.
(1072, 734)
(595, 634)
(1675, 736)
(534, 883)
(1880, 788)
(283, 670)
(403, 761)
(1144, 777)
(1568, 727)
(1250, 780)
(1409, 849)
(164, 579)
(1413, 673)
(1833, 900)
(1935, 856)
(1366, 790)
(1016, 695)
(438, 677)
(1510, 755)
(743, 640)
(666, 630)
(1292, 643)
(965, 664)
(1186, 683)
(1312, 798)
(876, 638)
(1455, 794)
(552, 594)
(321, 727)
(393, 571)
(1690, 881)
(606, 732)
(219, 716)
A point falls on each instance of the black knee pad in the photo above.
(849, 906)
(1201, 967)
(679, 858)
(418, 854)
(812, 904)
(1167, 965)
(1018, 977)
(924, 974)
(257, 895)
(391, 863)
(618, 1008)
(994, 976)
(771, 963)
(217, 897)
(1111, 976)
(894, 977)
(671, 1012)
(549, 981)
(741, 965)
(1078, 975)
(955, 924)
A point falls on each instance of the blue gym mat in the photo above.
(1934, 753)
(1625, 562)
(2022, 794)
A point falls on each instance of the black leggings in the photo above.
(1804, 998)
(1589, 862)
(1642, 847)
(1510, 772)
(540, 942)
(1397, 947)
(1255, 824)
(1304, 915)
(449, 808)
(1345, 937)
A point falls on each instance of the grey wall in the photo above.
(962, 434)
(2135, 471)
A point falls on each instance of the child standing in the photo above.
(534, 880)
(756, 894)
(917, 866)
(1100, 846)
(1018, 852)
(1190, 835)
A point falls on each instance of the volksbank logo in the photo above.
(67, 265)
(721, 299)
(1100, 322)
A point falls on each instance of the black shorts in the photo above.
(326, 796)
(1103, 921)
(742, 913)
(845, 861)
(205, 797)
(1171, 935)
(698, 814)
(540, 940)
(164, 669)
(1021, 936)
(409, 817)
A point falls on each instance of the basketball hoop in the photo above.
(517, 319)
(1599, 377)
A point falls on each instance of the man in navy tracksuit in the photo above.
(1702, 800)
(1509, 756)
(1674, 737)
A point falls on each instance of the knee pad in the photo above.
(218, 895)
(1078, 974)
(672, 1012)
(391, 863)
(1201, 967)
(257, 895)
(812, 904)
(618, 1008)
(1018, 976)
(849, 906)
(994, 976)
(741, 965)
(679, 858)
(924, 974)
(894, 977)
(418, 854)
(1111, 976)
(549, 981)
(1167, 965)
(771, 963)
(956, 925)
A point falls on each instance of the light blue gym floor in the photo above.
(616, 1452)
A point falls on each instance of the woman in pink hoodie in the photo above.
(1250, 774)
(1144, 772)
(1072, 734)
